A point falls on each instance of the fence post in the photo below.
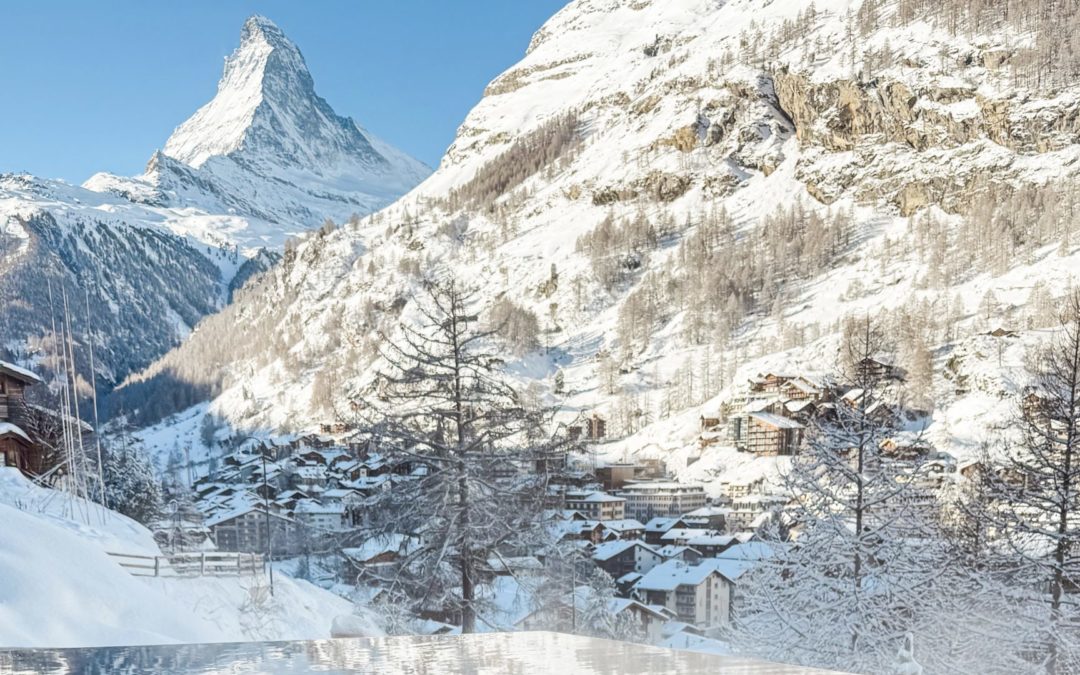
(202, 564)
(157, 559)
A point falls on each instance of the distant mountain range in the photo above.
(265, 160)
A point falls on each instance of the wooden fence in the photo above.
(212, 564)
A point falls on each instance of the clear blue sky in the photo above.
(98, 86)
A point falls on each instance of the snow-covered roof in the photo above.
(798, 405)
(514, 563)
(760, 404)
(706, 511)
(610, 549)
(778, 421)
(751, 551)
(674, 627)
(667, 485)
(366, 482)
(623, 524)
(661, 524)
(674, 550)
(853, 394)
(685, 641)
(711, 539)
(803, 385)
(13, 429)
(875, 406)
(19, 373)
(670, 575)
(339, 493)
(698, 537)
(237, 511)
(684, 532)
(595, 497)
(730, 569)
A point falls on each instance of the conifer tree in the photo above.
(444, 410)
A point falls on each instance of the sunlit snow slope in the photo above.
(657, 129)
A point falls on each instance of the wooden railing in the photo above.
(212, 564)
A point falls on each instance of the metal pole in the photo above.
(269, 534)
(573, 595)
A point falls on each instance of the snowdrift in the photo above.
(60, 588)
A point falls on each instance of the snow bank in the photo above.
(60, 588)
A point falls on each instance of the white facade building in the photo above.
(669, 499)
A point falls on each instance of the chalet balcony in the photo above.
(524, 652)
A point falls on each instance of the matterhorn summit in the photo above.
(267, 116)
(268, 147)
(265, 82)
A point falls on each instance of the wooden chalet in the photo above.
(710, 419)
(595, 427)
(314, 457)
(899, 449)
(772, 434)
(770, 383)
(1039, 409)
(17, 447)
(656, 528)
(334, 428)
(802, 389)
(874, 369)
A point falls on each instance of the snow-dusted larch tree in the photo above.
(862, 561)
(444, 410)
(1034, 499)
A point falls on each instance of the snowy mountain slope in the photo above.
(144, 286)
(267, 146)
(59, 588)
(703, 190)
(265, 160)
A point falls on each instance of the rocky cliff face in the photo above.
(928, 124)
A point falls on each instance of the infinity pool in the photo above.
(502, 653)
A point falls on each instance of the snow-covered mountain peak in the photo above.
(265, 83)
(267, 118)
(267, 147)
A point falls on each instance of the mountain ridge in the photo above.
(828, 198)
(230, 215)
